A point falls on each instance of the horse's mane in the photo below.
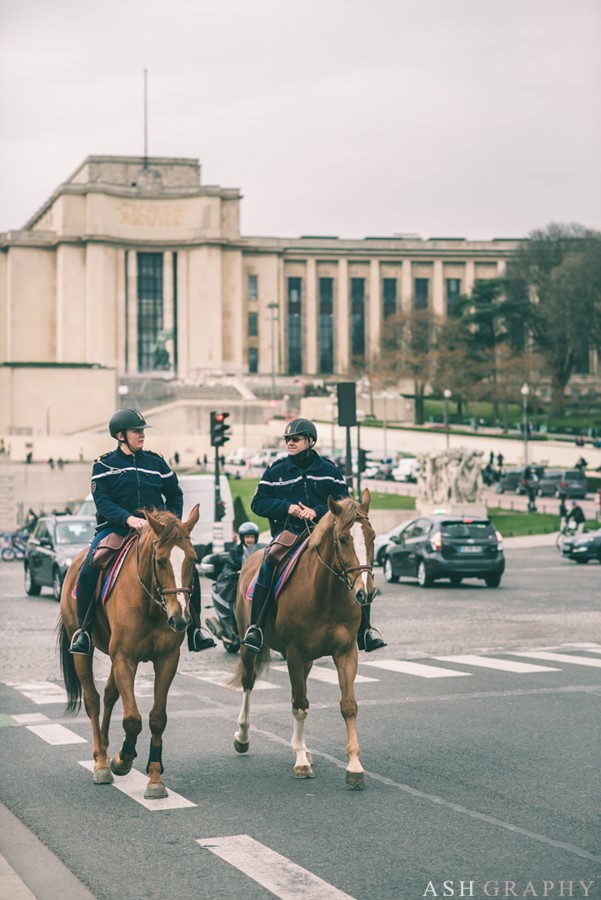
(343, 522)
(173, 530)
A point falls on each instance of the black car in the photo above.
(583, 547)
(443, 546)
(52, 547)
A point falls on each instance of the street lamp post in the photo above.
(525, 390)
(447, 394)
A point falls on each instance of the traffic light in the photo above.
(219, 429)
(362, 460)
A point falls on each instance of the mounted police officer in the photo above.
(124, 482)
(292, 491)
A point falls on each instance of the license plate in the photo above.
(470, 549)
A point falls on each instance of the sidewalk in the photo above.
(526, 541)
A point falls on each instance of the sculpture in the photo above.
(452, 477)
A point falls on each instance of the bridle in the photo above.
(156, 584)
(343, 572)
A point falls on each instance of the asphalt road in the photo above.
(481, 770)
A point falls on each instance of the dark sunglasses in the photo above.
(295, 438)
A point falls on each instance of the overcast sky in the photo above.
(465, 118)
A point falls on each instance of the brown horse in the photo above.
(318, 614)
(145, 618)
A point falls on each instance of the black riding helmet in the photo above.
(124, 419)
(301, 428)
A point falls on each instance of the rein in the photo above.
(160, 600)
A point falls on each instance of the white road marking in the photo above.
(330, 676)
(134, 786)
(221, 677)
(488, 662)
(30, 718)
(562, 658)
(412, 668)
(40, 692)
(56, 734)
(272, 871)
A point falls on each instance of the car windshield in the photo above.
(74, 532)
(466, 529)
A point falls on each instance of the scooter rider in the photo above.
(124, 482)
(224, 588)
(292, 491)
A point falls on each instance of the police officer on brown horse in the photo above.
(292, 492)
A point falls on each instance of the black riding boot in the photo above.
(81, 642)
(196, 639)
(369, 638)
(253, 639)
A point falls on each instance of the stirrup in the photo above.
(197, 641)
(253, 639)
(81, 642)
(371, 640)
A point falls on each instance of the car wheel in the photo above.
(424, 579)
(57, 585)
(31, 588)
(581, 562)
(381, 556)
(455, 580)
(389, 575)
(492, 580)
(8, 554)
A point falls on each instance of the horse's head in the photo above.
(173, 560)
(354, 545)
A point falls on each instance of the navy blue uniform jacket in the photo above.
(124, 485)
(283, 483)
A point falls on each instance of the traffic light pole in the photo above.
(217, 516)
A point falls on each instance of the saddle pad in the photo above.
(109, 582)
(288, 569)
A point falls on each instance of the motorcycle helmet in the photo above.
(248, 528)
(301, 428)
(124, 419)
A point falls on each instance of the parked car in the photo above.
(583, 547)
(51, 548)
(548, 483)
(407, 469)
(514, 479)
(442, 546)
(572, 484)
(382, 541)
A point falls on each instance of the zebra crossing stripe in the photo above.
(41, 692)
(134, 785)
(489, 662)
(412, 668)
(56, 735)
(330, 676)
(562, 658)
(272, 871)
(221, 677)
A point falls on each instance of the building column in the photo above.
(374, 312)
(406, 287)
(168, 317)
(183, 312)
(342, 320)
(131, 363)
(470, 276)
(501, 268)
(120, 312)
(438, 298)
(311, 324)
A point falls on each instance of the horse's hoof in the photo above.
(355, 780)
(155, 791)
(103, 776)
(303, 772)
(120, 768)
(239, 747)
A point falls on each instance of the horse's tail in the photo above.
(261, 663)
(72, 682)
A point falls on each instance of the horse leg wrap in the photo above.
(128, 750)
(155, 755)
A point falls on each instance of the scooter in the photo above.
(223, 624)
(14, 546)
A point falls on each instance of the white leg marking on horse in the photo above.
(177, 558)
(243, 719)
(298, 739)
(360, 549)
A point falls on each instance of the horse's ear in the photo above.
(334, 506)
(154, 523)
(192, 519)
(365, 500)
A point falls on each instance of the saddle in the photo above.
(107, 549)
(282, 556)
(282, 548)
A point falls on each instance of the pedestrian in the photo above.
(491, 458)
(563, 509)
(577, 517)
(292, 493)
(176, 458)
(500, 461)
(126, 481)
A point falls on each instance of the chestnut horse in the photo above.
(318, 614)
(145, 618)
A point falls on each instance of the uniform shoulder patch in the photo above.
(153, 453)
(104, 455)
(276, 462)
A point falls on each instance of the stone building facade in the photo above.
(136, 269)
